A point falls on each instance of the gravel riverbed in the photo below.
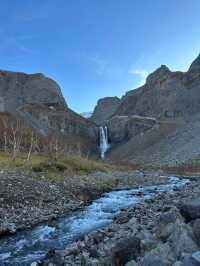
(27, 199)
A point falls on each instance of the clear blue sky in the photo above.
(97, 48)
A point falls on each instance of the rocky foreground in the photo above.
(27, 199)
(163, 231)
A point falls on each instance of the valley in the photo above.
(110, 189)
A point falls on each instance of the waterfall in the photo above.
(103, 137)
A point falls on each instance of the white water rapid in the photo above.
(104, 145)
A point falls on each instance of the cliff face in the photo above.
(171, 100)
(104, 109)
(39, 101)
(166, 94)
(17, 89)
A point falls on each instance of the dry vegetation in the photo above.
(190, 168)
(21, 148)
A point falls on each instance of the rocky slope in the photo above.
(159, 119)
(166, 144)
(39, 102)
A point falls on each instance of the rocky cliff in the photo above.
(104, 109)
(158, 122)
(39, 102)
(166, 95)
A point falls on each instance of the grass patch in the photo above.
(189, 168)
(55, 169)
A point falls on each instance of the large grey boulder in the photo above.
(196, 230)
(182, 239)
(131, 263)
(164, 252)
(126, 250)
(192, 260)
(191, 209)
(166, 222)
(152, 260)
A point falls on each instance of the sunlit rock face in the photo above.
(166, 94)
(17, 89)
(38, 100)
(123, 128)
(104, 109)
(158, 123)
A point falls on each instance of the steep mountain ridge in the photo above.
(166, 94)
(172, 100)
(38, 100)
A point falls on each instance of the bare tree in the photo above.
(30, 147)
(5, 122)
(16, 137)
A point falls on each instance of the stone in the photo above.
(165, 223)
(182, 239)
(152, 260)
(34, 264)
(192, 260)
(125, 250)
(196, 230)
(131, 263)
(164, 252)
(191, 209)
(53, 258)
(196, 257)
(177, 263)
(148, 244)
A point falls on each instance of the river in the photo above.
(31, 245)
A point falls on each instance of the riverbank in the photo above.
(164, 231)
(27, 199)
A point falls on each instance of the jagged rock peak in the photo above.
(158, 74)
(104, 109)
(108, 100)
(195, 66)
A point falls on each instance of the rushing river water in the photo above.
(32, 245)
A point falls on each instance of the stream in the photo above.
(31, 245)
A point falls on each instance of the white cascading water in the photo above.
(104, 145)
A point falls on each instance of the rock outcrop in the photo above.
(123, 128)
(18, 89)
(104, 109)
(172, 100)
(38, 100)
(166, 94)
